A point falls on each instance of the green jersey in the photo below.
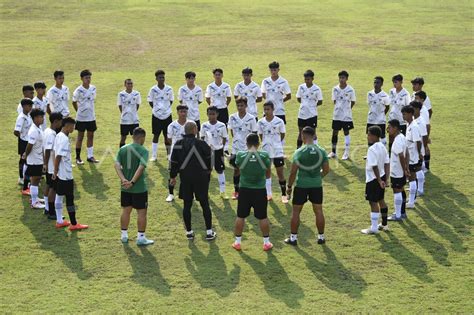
(309, 159)
(253, 166)
(130, 157)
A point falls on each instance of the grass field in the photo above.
(424, 265)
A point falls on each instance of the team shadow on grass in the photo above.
(93, 181)
(65, 246)
(146, 270)
(210, 270)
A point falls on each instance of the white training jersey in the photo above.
(399, 146)
(176, 131)
(162, 100)
(43, 105)
(275, 92)
(425, 114)
(310, 96)
(214, 134)
(85, 99)
(251, 92)
(241, 128)
(377, 103)
(191, 98)
(218, 94)
(342, 105)
(398, 101)
(377, 155)
(271, 136)
(62, 148)
(413, 136)
(129, 102)
(22, 125)
(48, 144)
(58, 100)
(426, 103)
(35, 138)
(423, 132)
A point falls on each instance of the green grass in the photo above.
(423, 265)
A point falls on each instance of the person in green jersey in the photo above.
(130, 165)
(254, 165)
(310, 165)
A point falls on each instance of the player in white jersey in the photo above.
(420, 174)
(128, 102)
(34, 157)
(241, 124)
(250, 90)
(344, 98)
(310, 96)
(191, 95)
(175, 132)
(58, 95)
(376, 179)
(399, 98)
(421, 97)
(214, 132)
(22, 126)
(62, 174)
(271, 130)
(83, 100)
(414, 143)
(417, 85)
(379, 105)
(160, 98)
(28, 92)
(40, 101)
(56, 120)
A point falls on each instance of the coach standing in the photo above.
(191, 158)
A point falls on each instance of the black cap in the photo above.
(418, 80)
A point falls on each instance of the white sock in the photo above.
(384, 141)
(398, 201)
(209, 231)
(221, 179)
(90, 152)
(293, 237)
(124, 233)
(238, 239)
(420, 177)
(412, 193)
(141, 235)
(347, 142)
(46, 204)
(320, 236)
(58, 206)
(266, 240)
(315, 141)
(24, 171)
(34, 194)
(268, 185)
(154, 149)
(190, 232)
(374, 220)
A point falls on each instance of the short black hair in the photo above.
(55, 116)
(241, 99)
(138, 131)
(36, 112)
(416, 104)
(418, 80)
(217, 70)
(269, 103)
(247, 71)
(211, 109)
(397, 77)
(421, 94)
(127, 80)
(58, 73)
(375, 131)
(252, 139)
(190, 74)
(181, 107)
(408, 109)
(309, 73)
(159, 72)
(85, 73)
(39, 85)
(343, 73)
(274, 65)
(309, 131)
(394, 123)
(379, 77)
(27, 87)
(26, 101)
(68, 121)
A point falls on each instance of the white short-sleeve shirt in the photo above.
(35, 138)
(43, 105)
(62, 147)
(271, 136)
(192, 99)
(276, 91)
(251, 92)
(48, 144)
(129, 102)
(413, 135)
(399, 146)
(377, 103)
(377, 155)
(426, 103)
(398, 101)
(22, 125)
(85, 99)
(162, 100)
(310, 96)
(176, 131)
(241, 128)
(58, 100)
(342, 105)
(214, 134)
(218, 94)
(425, 114)
(423, 131)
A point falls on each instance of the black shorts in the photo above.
(381, 126)
(134, 200)
(86, 125)
(277, 162)
(403, 129)
(223, 115)
(282, 117)
(301, 195)
(34, 170)
(232, 160)
(50, 182)
(22, 146)
(344, 125)
(64, 187)
(373, 191)
(398, 182)
(127, 129)
(252, 198)
(218, 160)
(194, 188)
(415, 167)
(160, 125)
(310, 122)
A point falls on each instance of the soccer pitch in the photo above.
(423, 265)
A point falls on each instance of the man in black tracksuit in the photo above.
(191, 158)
